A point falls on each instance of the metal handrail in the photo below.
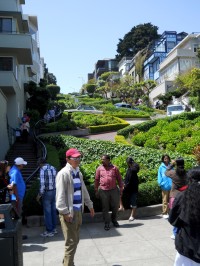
(44, 150)
(38, 142)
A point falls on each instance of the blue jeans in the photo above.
(49, 207)
(175, 230)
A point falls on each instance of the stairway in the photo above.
(27, 152)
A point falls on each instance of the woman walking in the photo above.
(165, 184)
(131, 187)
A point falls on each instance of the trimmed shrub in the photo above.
(30, 205)
(145, 126)
(62, 124)
(139, 139)
(152, 143)
(121, 139)
(149, 194)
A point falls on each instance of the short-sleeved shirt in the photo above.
(17, 179)
(106, 177)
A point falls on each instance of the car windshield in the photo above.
(175, 108)
(123, 105)
(86, 108)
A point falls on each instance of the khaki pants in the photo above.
(110, 200)
(165, 201)
(71, 236)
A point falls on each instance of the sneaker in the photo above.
(115, 223)
(54, 231)
(47, 234)
(131, 219)
(165, 216)
(172, 237)
(121, 209)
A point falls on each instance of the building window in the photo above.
(196, 47)
(6, 64)
(5, 25)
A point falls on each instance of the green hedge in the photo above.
(121, 139)
(145, 126)
(149, 194)
(30, 205)
(62, 124)
(131, 116)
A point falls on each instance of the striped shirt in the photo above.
(47, 178)
(77, 200)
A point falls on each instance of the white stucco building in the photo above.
(180, 59)
(19, 63)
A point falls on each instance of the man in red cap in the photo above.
(71, 195)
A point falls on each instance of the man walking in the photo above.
(48, 194)
(17, 184)
(106, 188)
(71, 194)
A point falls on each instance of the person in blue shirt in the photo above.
(17, 184)
(165, 184)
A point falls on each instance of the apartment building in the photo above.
(19, 64)
(124, 65)
(180, 59)
(102, 66)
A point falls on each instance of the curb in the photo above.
(35, 221)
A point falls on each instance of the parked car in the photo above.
(125, 105)
(175, 109)
(85, 109)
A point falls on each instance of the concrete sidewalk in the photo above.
(145, 241)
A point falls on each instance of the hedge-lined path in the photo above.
(110, 136)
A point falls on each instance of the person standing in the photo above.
(106, 178)
(179, 182)
(71, 194)
(131, 186)
(185, 215)
(165, 184)
(48, 194)
(25, 127)
(17, 184)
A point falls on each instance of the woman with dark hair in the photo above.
(185, 215)
(165, 184)
(129, 196)
(179, 182)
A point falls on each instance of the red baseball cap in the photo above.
(73, 153)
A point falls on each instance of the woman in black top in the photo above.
(185, 215)
(131, 187)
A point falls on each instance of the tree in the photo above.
(53, 90)
(190, 81)
(90, 88)
(51, 79)
(146, 87)
(139, 60)
(140, 37)
(39, 100)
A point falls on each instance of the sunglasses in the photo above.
(75, 158)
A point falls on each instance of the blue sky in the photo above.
(75, 34)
